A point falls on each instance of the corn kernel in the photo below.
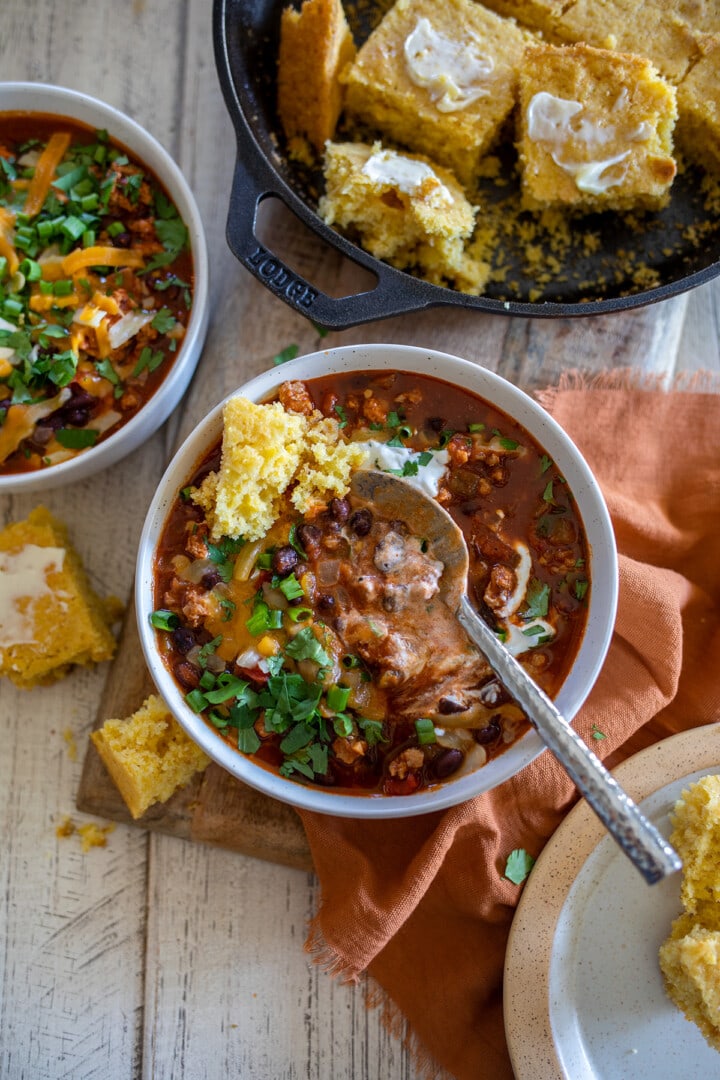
(268, 646)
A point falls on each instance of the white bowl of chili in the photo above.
(423, 403)
(103, 286)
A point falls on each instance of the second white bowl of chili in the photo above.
(103, 286)
(310, 673)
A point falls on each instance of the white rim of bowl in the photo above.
(596, 519)
(63, 102)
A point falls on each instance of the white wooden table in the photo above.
(155, 957)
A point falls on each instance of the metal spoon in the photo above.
(391, 497)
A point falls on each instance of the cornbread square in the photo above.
(690, 963)
(699, 109)
(148, 755)
(696, 838)
(50, 617)
(595, 130)
(404, 208)
(315, 45)
(537, 14)
(440, 79)
(265, 449)
(652, 28)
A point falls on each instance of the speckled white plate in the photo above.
(584, 997)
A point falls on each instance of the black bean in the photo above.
(210, 578)
(284, 560)
(122, 240)
(447, 762)
(187, 675)
(448, 705)
(326, 602)
(339, 510)
(489, 734)
(309, 537)
(436, 423)
(77, 417)
(361, 522)
(183, 639)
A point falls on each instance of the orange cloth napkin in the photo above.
(422, 903)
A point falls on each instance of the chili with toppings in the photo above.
(96, 281)
(323, 650)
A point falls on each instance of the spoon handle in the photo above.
(640, 840)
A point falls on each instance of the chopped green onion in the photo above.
(337, 698)
(299, 614)
(425, 731)
(31, 269)
(162, 619)
(196, 700)
(291, 588)
(64, 287)
(342, 726)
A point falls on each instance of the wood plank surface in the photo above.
(154, 957)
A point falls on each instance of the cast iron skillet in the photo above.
(246, 45)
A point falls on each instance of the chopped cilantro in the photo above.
(545, 463)
(536, 597)
(518, 866)
(305, 646)
(597, 733)
(76, 438)
(580, 588)
(548, 492)
(288, 353)
(341, 413)
(163, 321)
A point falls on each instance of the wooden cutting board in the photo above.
(214, 807)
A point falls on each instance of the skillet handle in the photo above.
(394, 294)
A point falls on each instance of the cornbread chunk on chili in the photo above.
(265, 449)
(148, 755)
(690, 958)
(595, 130)
(699, 108)
(405, 209)
(315, 44)
(440, 79)
(50, 617)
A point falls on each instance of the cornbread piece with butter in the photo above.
(265, 449)
(148, 755)
(50, 617)
(690, 957)
(315, 44)
(595, 130)
(439, 79)
(405, 209)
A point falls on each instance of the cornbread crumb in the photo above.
(65, 828)
(92, 835)
(50, 617)
(690, 957)
(148, 755)
(595, 130)
(406, 209)
(315, 45)
(439, 79)
(69, 737)
(266, 448)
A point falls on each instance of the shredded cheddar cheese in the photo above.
(45, 169)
